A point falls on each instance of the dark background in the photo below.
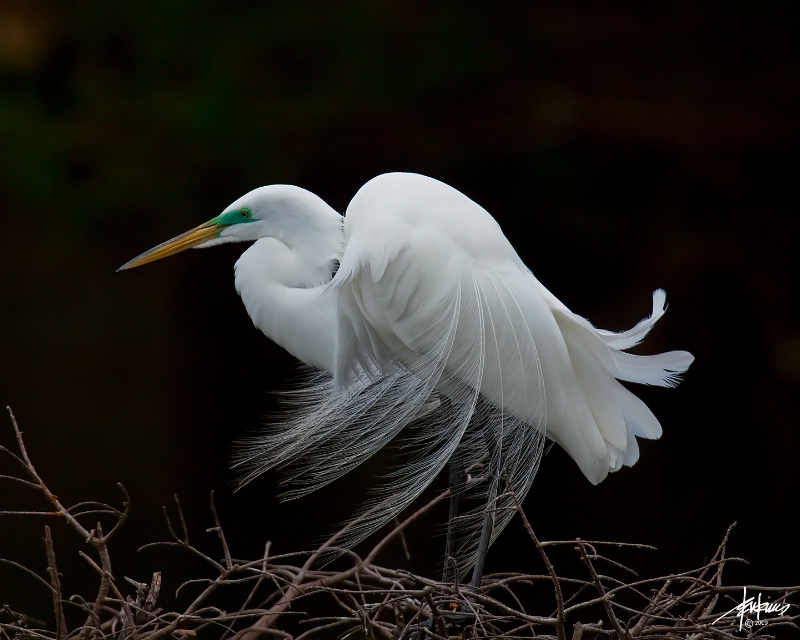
(621, 149)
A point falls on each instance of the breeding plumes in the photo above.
(429, 335)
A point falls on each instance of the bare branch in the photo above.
(52, 569)
(560, 616)
(289, 596)
(218, 530)
(599, 585)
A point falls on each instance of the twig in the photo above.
(601, 590)
(560, 616)
(52, 570)
(220, 533)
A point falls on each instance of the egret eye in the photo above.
(246, 213)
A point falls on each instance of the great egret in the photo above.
(430, 334)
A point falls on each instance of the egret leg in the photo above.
(486, 533)
(456, 484)
(489, 515)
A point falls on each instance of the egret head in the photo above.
(281, 211)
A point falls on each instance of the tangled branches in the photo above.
(289, 596)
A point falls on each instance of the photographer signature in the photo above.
(750, 606)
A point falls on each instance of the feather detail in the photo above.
(633, 336)
(619, 416)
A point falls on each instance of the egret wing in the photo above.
(436, 290)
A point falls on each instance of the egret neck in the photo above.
(281, 279)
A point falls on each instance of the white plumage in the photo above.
(433, 336)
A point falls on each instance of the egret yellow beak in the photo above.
(191, 238)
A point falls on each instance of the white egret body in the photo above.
(433, 335)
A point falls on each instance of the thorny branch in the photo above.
(289, 596)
